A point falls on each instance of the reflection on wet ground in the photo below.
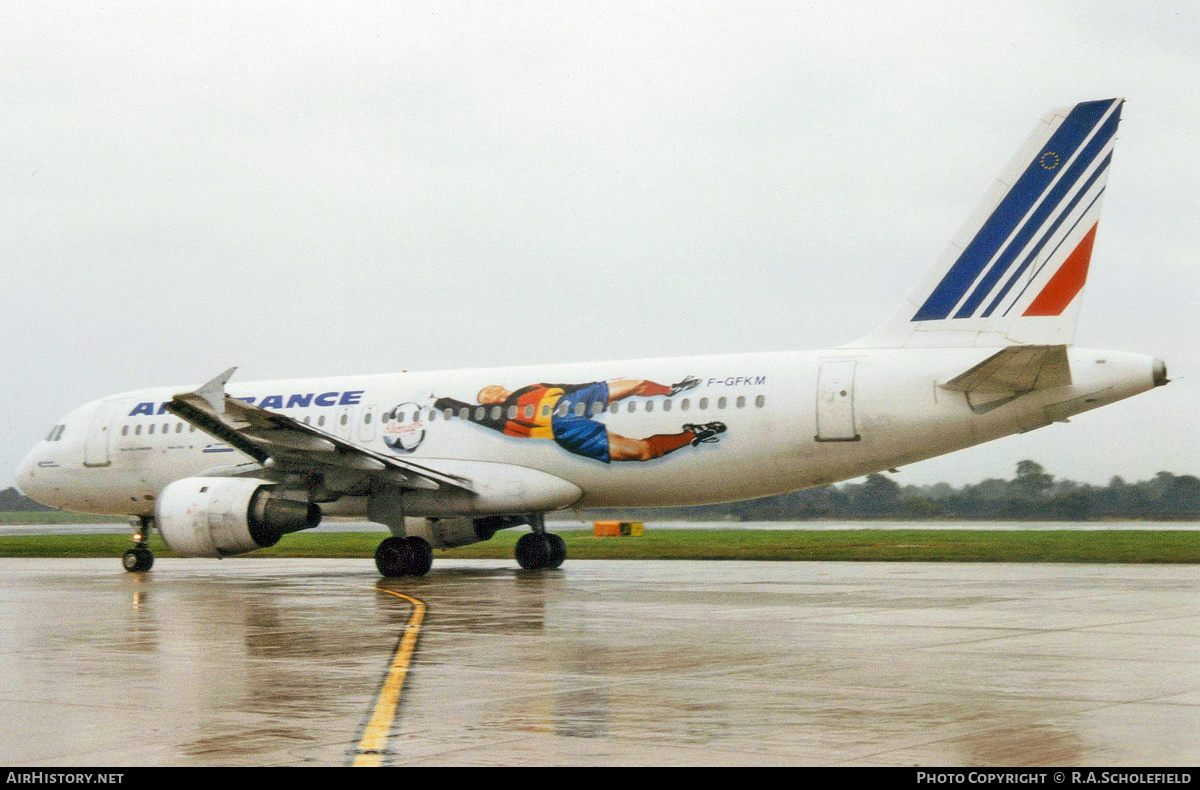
(269, 662)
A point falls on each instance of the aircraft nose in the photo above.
(26, 477)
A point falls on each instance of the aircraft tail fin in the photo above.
(1014, 272)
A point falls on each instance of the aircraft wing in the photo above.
(279, 441)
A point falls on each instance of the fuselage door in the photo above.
(99, 437)
(835, 402)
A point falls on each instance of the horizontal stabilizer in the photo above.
(1016, 369)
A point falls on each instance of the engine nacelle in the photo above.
(221, 516)
(446, 533)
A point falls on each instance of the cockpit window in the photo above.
(55, 433)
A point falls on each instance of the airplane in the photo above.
(981, 349)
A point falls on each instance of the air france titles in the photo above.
(300, 400)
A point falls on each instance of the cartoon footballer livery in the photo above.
(561, 412)
(981, 349)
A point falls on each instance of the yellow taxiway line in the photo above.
(371, 748)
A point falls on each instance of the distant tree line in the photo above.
(1032, 495)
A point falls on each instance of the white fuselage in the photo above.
(792, 420)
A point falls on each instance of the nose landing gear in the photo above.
(139, 558)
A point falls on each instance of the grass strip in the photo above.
(916, 545)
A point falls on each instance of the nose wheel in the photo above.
(139, 558)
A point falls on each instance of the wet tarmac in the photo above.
(285, 662)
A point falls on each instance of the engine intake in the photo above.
(222, 516)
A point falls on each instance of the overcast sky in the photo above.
(338, 188)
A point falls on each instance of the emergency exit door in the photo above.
(835, 402)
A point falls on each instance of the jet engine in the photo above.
(221, 516)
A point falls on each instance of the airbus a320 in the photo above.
(981, 349)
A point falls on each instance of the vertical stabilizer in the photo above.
(1014, 272)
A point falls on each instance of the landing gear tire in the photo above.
(137, 560)
(532, 551)
(421, 554)
(540, 551)
(392, 557)
(558, 550)
(411, 556)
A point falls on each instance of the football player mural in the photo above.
(564, 412)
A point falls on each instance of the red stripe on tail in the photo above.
(1066, 282)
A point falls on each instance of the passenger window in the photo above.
(464, 413)
(321, 420)
(191, 429)
(432, 415)
(345, 419)
(497, 412)
(685, 404)
(479, 412)
(166, 427)
(529, 411)
(546, 410)
(138, 430)
(580, 408)
(124, 430)
(721, 403)
(512, 412)
(760, 401)
(178, 427)
(448, 413)
(703, 404)
(151, 429)
(367, 418)
(649, 406)
(666, 405)
(632, 407)
(741, 402)
(614, 408)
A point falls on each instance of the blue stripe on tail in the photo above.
(1033, 182)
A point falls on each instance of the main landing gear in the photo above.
(540, 550)
(139, 558)
(410, 556)
(413, 555)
